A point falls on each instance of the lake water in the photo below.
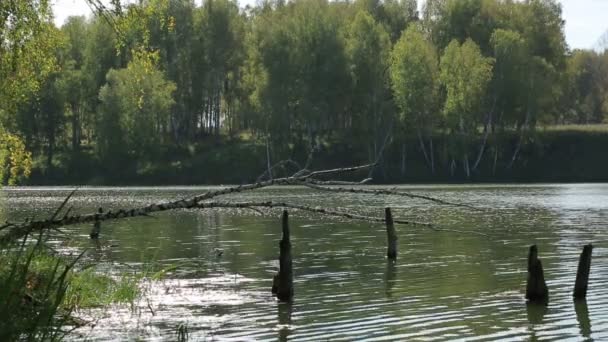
(444, 285)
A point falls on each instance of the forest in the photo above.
(169, 91)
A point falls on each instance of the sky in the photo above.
(586, 20)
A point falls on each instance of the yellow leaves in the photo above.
(171, 24)
(144, 59)
(15, 160)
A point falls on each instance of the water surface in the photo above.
(444, 286)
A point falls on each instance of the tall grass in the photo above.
(40, 291)
(33, 286)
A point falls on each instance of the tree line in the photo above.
(136, 82)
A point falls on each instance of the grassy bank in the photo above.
(40, 291)
(552, 154)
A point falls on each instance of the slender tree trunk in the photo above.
(465, 165)
(486, 132)
(378, 153)
(423, 148)
(452, 167)
(375, 151)
(521, 139)
(495, 160)
(403, 156)
(268, 158)
(523, 127)
(50, 151)
(218, 112)
(432, 155)
(75, 129)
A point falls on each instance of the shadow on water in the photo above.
(582, 316)
(284, 311)
(389, 277)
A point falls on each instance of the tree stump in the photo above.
(391, 235)
(582, 274)
(536, 288)
(282, 285)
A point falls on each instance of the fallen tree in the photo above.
(12, 231)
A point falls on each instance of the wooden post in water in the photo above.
(391, 235)
(97, 225)
(282, 283)
(582, 274)
(536, 288)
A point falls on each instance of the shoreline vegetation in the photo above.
(43, 293)
(211, 92)
(566, 153)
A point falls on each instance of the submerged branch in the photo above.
(320, 186)
(318, 210)
(329, 212)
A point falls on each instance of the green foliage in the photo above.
(153, 76)
(39, 291)
(135, 109)
(510, 73)
(367, 49)
(27, 37)
(297, 93)
(393, 15)
(415, 78)
(465, 73)
(587, 83)
(32, 288)
(462, 20)
(89, 288)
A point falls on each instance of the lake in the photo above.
(445, 285)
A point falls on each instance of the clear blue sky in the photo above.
(586, 20)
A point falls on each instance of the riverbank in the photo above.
(550, 155)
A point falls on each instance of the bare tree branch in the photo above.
(318, 182)
(17, 231)
(282, 164)
(13, 232)
(305, 169)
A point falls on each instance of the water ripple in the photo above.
(445, 286)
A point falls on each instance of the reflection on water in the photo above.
(536, 313)
(582, 316)
(284, 313)
(390, 276)
(444, 286)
